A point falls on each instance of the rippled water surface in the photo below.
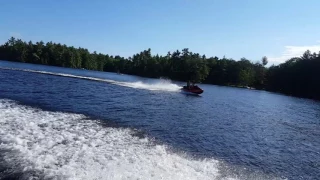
(80, 124)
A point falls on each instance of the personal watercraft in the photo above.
(192, 90)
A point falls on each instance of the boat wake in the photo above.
(38, 144)
(161, 85)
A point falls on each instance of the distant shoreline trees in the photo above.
(298, 76)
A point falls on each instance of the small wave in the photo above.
(66, 146)
(162, 85)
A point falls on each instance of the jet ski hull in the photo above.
(194, 91)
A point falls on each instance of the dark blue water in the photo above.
(248, 130)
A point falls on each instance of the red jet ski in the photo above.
(192, 90)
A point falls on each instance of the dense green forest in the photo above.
(297, 76)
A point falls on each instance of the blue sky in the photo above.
(278, 29)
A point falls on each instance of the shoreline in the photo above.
(119, 73)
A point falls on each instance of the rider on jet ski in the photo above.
(190, 86)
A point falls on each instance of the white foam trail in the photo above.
(163, 85)
(65, 146)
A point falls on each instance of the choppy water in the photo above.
(59, 123)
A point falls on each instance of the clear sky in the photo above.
(278, 29)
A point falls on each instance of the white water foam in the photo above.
(66, 146)
(162, 85)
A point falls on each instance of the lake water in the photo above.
(61, 123)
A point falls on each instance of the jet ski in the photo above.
(195, 90)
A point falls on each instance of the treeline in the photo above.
(298, 76)
(295, 77)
